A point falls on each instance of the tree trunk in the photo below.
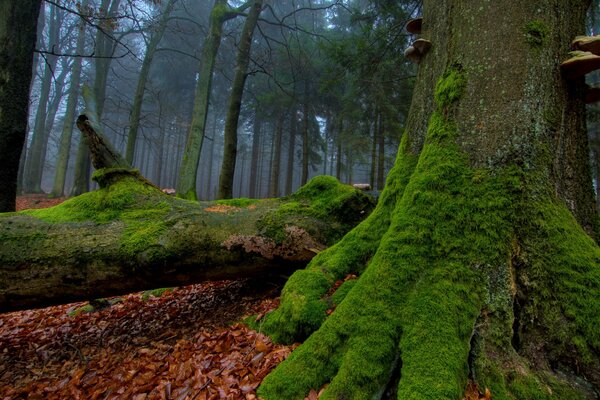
(34, 164)
(305, 141)
(138, 99)
(235, 102)
(289, 179)
(188, 172)
(276, 167)
(381, 156)
(104, 47)
(18, 22)
(256, 130)
(477, 265)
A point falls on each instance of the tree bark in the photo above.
(475, 263)
(235, 102)
(305, 141)
(138, 99)
(18, 21)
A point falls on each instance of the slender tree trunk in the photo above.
(276, 167)
(188, 172)
(381, 153)
(289, 179)
(34, 161)
(105, 46)
(338, 157)
(473, 265)
(373, 172)
(138, 99)
(18, 21)
(305, 136)
(256, 134)
(235, 102)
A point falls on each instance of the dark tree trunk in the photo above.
(474, 263)
(138, 99)
(235, 102)
(381, 155)
(276, 164)
(289, 179)
(305, 141)
(18, 22)
(34, 164)
(256, 143)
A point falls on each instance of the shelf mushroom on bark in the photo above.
(417, 50)
(414, 26)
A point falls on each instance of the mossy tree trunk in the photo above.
(476, 262)
(18, 21)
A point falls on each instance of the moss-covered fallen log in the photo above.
(128, 235)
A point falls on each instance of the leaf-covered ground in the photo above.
(177, 346)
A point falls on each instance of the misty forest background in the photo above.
(333, 71)
(328, 91)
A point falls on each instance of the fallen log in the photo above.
(128, 236)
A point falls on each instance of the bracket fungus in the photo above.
(581, 63)
(587, 43)
(417, 50)
(414, 26)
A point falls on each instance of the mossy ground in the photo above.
(440, 261)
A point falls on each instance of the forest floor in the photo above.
(187, 343)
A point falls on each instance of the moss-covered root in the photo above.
(422, 291)
(303, 308)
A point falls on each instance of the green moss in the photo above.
(342, 291)
(450, 87)
(155, 293)
(86, 309)
(322, 201)
(536, 33)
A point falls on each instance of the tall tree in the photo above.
(188, 172)
(64, 149)
(235, 101)
(105, 45)
(156, 35)
(18, 23)
(478, 259)
(35, 159)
